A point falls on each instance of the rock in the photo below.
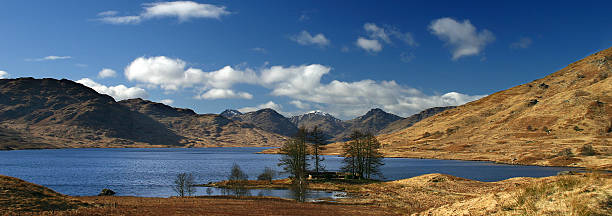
(106, 192)
(566, 173)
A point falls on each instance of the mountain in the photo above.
(411, 120)
(328, 124)
(206, 130)
(230, 113)
(266, 119)
(373, 121)
(63, 113)
(50, 113)
(563, 119)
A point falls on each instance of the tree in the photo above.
(294, 159)
(361, 156)
(267, 175)
(237, 175)
(316, 139)
(184, 184)
(237, 181)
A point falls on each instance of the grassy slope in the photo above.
(574, 108)
(17, 195)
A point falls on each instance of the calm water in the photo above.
(149, 172)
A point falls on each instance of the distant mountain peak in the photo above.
(229, 113)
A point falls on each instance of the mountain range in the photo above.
(50, 113)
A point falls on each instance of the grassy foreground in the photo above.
(431, 194)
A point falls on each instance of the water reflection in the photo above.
(305, 195)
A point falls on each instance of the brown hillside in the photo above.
(62, 113)
(544, 122)
(17, 195)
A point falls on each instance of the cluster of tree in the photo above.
(361, 156)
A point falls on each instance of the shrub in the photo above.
(587, 150)
(566, 152)
(267, 175)
(576, 128)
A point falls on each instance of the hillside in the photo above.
(373, 121)
(62, 113)
(17, 195)
(411, 120)
(204, 130)
(265, 119)
(550, 121)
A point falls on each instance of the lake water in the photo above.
(150, 172)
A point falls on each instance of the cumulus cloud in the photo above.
(369, 45)
(522, 43)
(3, 74)
(463, 37)
(302, 84)
(119, 92)
(182, 10)
(384, 34)
(50, 58)
(305, 38)
(167, 101)
(106, 72)
(171, 74)
(224, 93)
(269, 104)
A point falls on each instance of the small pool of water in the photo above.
(310, 196)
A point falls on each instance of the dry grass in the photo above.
(17, 195)
(577, 195)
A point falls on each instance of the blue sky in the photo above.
(342, 57)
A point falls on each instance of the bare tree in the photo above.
(316, 139)
(294, 159)
(184, 184)
(237, 181)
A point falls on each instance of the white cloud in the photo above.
(302, 84)
(106, 72)
(462, 37)
(376, 32)
(384, 34)
(118, 20)
(108, 13)
(119, 92)
(224, 93)
(50, 58)
(300, 104)
(305, 38)
(171, 74)
(522, 43)
(167, 101)
(369, 45)
(182, 10)
(269, 104)
(3, 74)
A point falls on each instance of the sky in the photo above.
(340, 57)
